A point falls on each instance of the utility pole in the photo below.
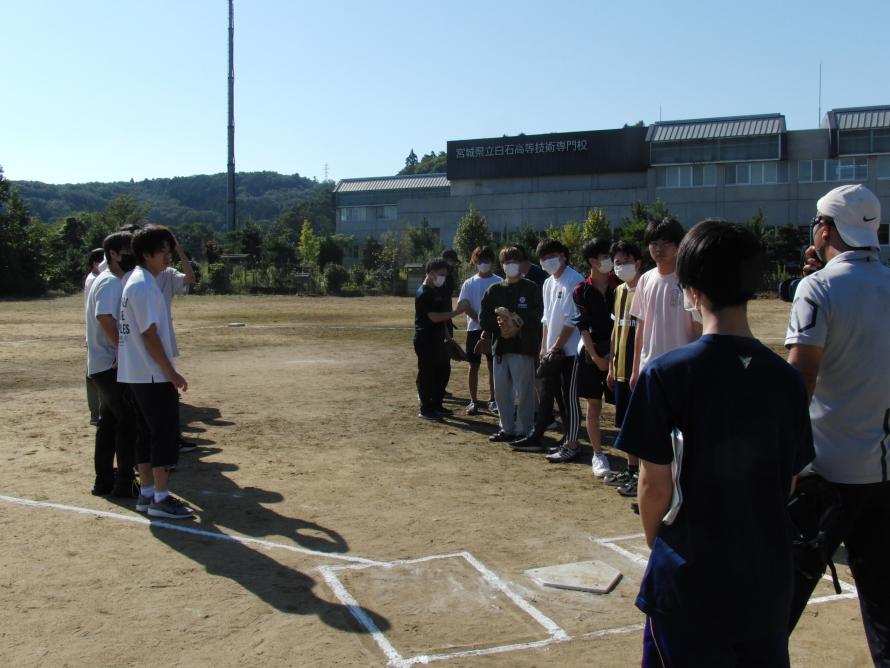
(231, 219)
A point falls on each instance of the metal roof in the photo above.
(716, 128)
(861, 118)
(405, 182)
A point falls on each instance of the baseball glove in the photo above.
(549, 363)
(509, 322)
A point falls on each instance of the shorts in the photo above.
(622, 399)
(158, 406)
(591, 381)
(472, 339)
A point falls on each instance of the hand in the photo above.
(179, 382)
(610, 380)
(811, 262)
(635, 376)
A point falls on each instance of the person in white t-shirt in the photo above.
(470, 299)
(116, 428)
(145, 354)
(559, 335)
(664, 320)
(97, 257)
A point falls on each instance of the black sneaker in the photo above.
(170, 508)
(441, 410)
(617, 478)
(527, 444)
(563, 455)
(125, 489)
(629, 489)
(502, 437)
(102, 486)
(428, 415)
(186, 446)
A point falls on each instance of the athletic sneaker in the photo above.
(493, 407)
(553, 426)
(502, 437)
(143, 502)
(616, 478)
(428, 415)
(441, 410)
(471, 408)
(186, 446)
(629, 489)
(171, 508)
(563, 455)
(600, 465)
(527, 444)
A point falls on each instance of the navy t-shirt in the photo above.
(725, 561)
(429, 300)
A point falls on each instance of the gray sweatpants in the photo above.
(514, 384)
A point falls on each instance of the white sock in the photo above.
(147, 490)
(160, 495)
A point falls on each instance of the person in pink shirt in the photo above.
(664, 321)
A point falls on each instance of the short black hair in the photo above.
(550, 246)
(149, 240)
(626, 247)
(130, 227)
(595, 248)
(666, 229)
(117, 242)
(96, 255)
(451, 254)
(436, 264)
(522, 250)
(724, 260)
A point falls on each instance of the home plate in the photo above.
(595, 577)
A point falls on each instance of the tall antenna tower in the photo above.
(231, 220)
(819, 120)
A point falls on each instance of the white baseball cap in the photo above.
(856, 213)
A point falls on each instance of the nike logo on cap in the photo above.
(868, 220)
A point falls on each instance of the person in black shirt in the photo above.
(515, 350)
(431, 314)
(447, 289)
(530, 270)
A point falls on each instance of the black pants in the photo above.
(561, 385)
(865, 531)
(433, 366)
(158, 405)
(115, 431)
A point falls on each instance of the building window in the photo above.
(353, 214)
(884, 167)
(727, 149)
(843, 169)
(756, 173)
(685, 176)
(853, 142)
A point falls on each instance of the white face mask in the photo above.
(438, 280)
(605, 266)
(484, 267)
(626, 272)
(550, 265)
(690, 306)
(511, 270)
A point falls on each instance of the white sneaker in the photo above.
(493, 407)
(471, 408)
(600, 465)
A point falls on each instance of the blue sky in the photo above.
(105, 90)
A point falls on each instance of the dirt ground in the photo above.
(311, 453)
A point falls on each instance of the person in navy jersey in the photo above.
(721, 427)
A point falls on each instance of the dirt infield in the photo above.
(337, 495)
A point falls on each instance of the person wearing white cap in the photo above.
(839, 339)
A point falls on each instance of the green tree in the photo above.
(472, 231)
(422, 241)
(596, 226)
(572, 237)
(125, 210)
(329, 252)
(410, 163)
(251, 242)
(310, 245)
(370, 254)
(22, 246)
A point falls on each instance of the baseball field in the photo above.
(333, 527)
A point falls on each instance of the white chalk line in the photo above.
(557, 633)
(272, 545)
(848, 590)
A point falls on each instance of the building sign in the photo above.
(549, 155)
